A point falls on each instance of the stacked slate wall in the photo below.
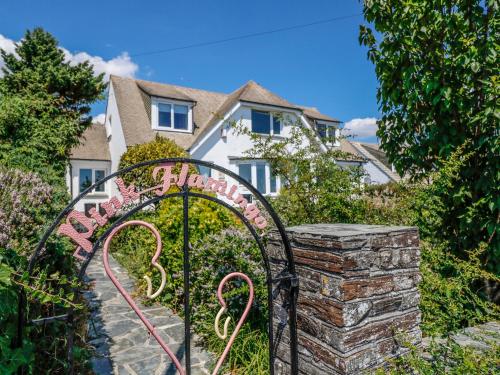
(358, 297)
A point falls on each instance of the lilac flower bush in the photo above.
(28, 205)
(24, 199)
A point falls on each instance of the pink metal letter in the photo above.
(242, 319)
(81, 238)
(124, 293)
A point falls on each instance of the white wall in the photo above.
(377, 176)
(117, 146)
(373, 175)
(96, 197)
(223, 150)
(114, 130)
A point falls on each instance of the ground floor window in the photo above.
(89, 176)
(260, 175)
(88, 206)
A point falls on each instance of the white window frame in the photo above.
(271, 123)
(94, 192)
(155, 116)
(329, 126)
(253, 170)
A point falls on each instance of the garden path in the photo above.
(121, 341)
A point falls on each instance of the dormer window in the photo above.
(326, 132)
(265, 123)
(171, 115)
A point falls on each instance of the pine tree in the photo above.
(44, 104)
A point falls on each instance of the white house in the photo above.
(368, 156)
(196, 120)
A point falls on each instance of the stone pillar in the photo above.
(358, 297)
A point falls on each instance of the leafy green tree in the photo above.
(314, 188)
(159, 148)
(44, 104)
(437, 65)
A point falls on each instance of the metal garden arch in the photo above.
(281, 277)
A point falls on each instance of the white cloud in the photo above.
(360, 127)
(121, 65)
(7, 45)
(100, 118)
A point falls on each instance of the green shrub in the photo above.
(159, 148)
(27, 206)
(11, 358)
(445, 357)
(136, 244)
(449, 296)
(213, 258)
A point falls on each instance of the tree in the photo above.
(437, 65)
(314, 188)
(159, 148)
(44, 104)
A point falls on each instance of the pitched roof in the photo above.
(93, 146)
(372, 152)
(133, 99)
(254, 93)
(347, 147)
(377, 153)
(314, 114)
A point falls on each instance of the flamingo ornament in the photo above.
(228, 319)
(127, 297)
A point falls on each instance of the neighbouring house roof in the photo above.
(133, 98)
(347, 147)
(93, 146)
(371, 152)
(380, 155)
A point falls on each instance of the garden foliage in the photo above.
(44, 104)
(437, 65)
(445, 356)
(44, 108)
(159, 148)
(27, 205)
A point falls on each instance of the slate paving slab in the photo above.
(121, 341)
(481, 337)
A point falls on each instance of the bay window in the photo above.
(260, 175)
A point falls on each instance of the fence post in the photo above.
(358, 297)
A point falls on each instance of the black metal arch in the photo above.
(286, 279)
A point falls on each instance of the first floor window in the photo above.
(172, 116)
(326, 132)
(99, 175)
(89, 177)
(265, 123)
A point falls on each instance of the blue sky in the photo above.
(322, 65)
